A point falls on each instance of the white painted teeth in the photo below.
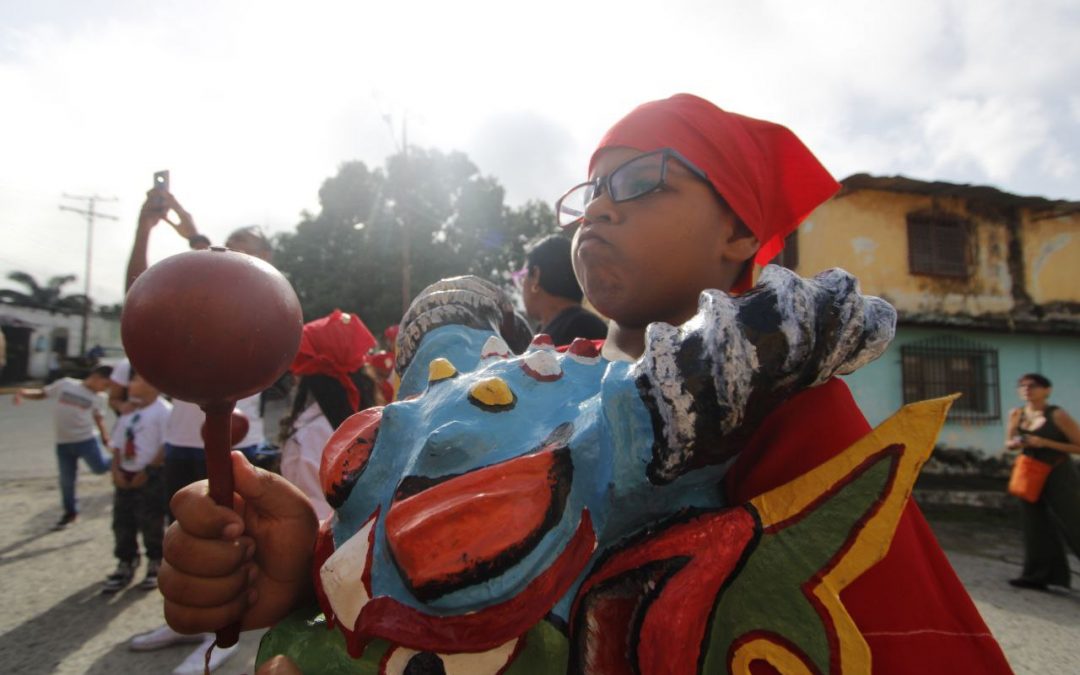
(495, 347)
(342, 577)
(542, 366)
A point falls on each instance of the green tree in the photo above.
(49, 296)
(350, 254)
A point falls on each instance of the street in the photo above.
(58, 622)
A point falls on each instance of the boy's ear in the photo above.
(741, 246)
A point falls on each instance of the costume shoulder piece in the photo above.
(550, 512)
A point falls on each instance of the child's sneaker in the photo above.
(195, 663)
(162, 636)
(149, 582)
(118, 580)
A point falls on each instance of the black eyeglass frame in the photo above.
(603, 183)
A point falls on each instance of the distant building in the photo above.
(986, 283)
(32, 334)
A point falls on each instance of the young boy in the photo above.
(682, 197)
(79, 424)
(138, 501)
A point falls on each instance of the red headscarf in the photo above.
(335, 345)
(761, 169)
(391, 334)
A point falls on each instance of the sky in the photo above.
(251, 105)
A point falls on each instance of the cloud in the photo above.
(990, 136)
(252, 106)
(531, 155)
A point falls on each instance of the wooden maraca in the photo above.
(212, 327)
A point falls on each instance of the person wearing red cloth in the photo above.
(682, 197)
(736, 189)
(334, 351)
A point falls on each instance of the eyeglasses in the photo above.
(634, 178)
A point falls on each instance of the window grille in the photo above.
(945, 365)
(938, 244)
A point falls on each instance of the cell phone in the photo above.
(161, 181)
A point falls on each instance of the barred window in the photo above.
(937, 244)
(946, 365)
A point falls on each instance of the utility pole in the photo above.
(406, 265)
(90, 214)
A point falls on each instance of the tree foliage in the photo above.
(49, 296)
(350, 254)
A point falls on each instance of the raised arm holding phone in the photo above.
(159, 204)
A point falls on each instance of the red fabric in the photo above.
(761, 169)
(382, 362)
(910, 607)
(335, 345)
(390, 334)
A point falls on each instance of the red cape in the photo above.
(911, 608)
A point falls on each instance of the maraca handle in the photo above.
(218, 437)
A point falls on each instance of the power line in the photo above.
(91, 215)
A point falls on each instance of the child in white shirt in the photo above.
(139, 500)
(80, 430)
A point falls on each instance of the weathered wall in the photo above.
(101, 331)
(1022, 297)
(877, 387)
(865, 232)
(1052, 259)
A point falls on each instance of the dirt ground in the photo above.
(56, 620)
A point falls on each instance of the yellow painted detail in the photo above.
(492, 391)
(778, 656)
(915, 427)
(440, 369)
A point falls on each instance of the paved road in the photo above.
(55, 619)
(57, 622)
(26, 439)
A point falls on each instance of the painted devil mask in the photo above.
(477, 506)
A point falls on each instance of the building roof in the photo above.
(15, 322)
(1049, 208)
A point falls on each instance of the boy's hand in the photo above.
(250, 566)
(17, 399)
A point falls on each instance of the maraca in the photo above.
(212, 327)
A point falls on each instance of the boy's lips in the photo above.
(589, 238)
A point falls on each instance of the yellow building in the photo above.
(986, 285)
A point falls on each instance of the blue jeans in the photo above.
(67, 456)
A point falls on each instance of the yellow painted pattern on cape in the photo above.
(916, 427)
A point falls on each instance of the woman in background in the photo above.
(1048, 434)
(334, 384)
